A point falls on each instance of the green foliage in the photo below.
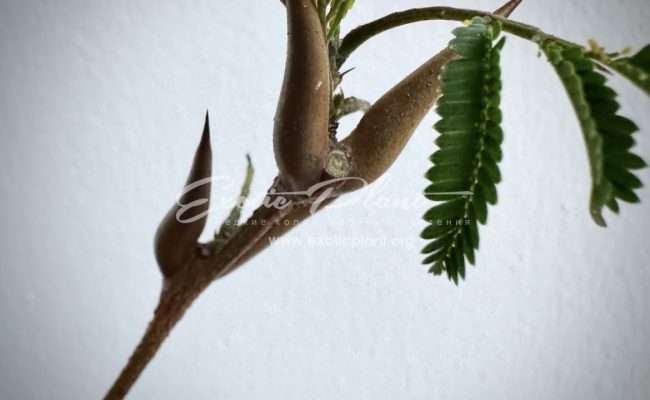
(635, 68)
(465, 171)
(608, 136)
(230, 225)
(338, 9)
(343, 106)
(332, 13)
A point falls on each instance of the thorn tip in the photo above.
(205, 137)
(507, 9)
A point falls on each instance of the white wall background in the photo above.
(101, 106)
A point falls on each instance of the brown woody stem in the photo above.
(181, 289)
(174, 301)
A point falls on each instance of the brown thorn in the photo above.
(176, 240)
(507, 9)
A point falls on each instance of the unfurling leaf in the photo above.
(338, 10)
(230, 225)
(465, 171)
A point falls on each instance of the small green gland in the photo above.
(337, 164)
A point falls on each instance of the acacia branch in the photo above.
(184, 283)
(363, 33)
(180, 291)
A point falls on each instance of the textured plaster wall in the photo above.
(101, 106)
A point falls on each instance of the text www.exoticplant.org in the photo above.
(344, 241)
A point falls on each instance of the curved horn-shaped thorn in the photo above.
(387, 126)
(176, 238)
(507, 9)
(300, 135)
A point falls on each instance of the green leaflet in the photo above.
(342, 106)
(230, 225)
(338, 10)
(608, 136)
(635, 68)
(465, 171)
(332, 13)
